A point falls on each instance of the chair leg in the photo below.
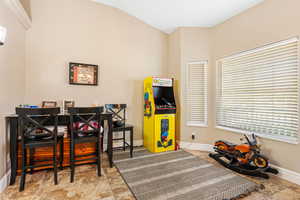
(23, 176)
(31, 158)
(72, 157)
(22, 183)
(124, 140)
(102, 144)
(55, 163)
(131, 143)
(61, 153)
(99, 156)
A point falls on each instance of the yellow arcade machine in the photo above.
(159, 114)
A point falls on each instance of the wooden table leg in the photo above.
(13, 127)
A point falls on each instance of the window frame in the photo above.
(188, 123)
(218, 81)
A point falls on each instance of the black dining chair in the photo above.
(34, 134)
(86, 127)
(118, 112)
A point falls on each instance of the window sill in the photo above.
(196, 125)
(280, 139)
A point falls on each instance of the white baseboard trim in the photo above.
(4, 181)
(286, 174)
(196, 146)
(136, 143)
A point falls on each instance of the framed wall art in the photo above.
(83, 74)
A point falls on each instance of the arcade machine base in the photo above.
(243, 169)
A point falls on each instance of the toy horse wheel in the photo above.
(260, 162)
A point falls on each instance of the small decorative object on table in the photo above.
(244, 158)
(27, 106)
(83, 74)
(49, 104)
(68, 104)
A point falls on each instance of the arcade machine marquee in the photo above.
(159, 114)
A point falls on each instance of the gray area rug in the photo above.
(179, 175)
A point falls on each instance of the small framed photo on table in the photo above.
(68, 104)
(49, 104)
(83, 74)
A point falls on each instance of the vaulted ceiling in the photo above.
(167, 15)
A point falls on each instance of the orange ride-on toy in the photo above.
(244, 158)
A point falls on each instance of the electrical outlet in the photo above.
(193, 136)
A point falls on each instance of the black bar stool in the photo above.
(85, 128)
(118, 112)
(35, 134)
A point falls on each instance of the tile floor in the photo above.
(110, 186)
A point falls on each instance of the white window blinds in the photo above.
(196, 93)
(258, 91)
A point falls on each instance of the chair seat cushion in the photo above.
(60, 129)
(41, 137)
(118, 123)
(86, 133)
(39, 134)
(85, 130)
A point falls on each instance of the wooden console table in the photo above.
(63, 119)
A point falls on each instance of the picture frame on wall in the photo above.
(83, 74)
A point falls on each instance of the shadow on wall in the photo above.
(137, 100)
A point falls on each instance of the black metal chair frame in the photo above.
(116, 111)
(85, 115)
(26, 118)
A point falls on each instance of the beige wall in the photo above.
(195, 46)
(12, 78)
(271, 21)
(125, 49)
(188, 44)
(174, 71)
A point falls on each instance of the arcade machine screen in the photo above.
(164, 99)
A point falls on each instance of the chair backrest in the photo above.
(85, 110)
(49, 104)
(37, 111)
(33, 119)
(85, 115)
(118, 111)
